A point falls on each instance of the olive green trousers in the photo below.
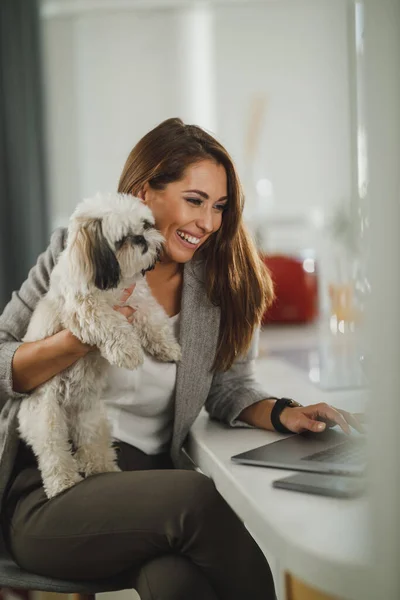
(169, 529)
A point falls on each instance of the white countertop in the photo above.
(323, 541)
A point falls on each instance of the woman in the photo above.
(165, 526)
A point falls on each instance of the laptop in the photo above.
(331, 452)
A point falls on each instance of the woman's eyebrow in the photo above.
(204, 195)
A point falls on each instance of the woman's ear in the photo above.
(143, 192)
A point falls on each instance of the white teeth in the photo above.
(189, 238)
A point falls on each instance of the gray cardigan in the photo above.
(224, 395)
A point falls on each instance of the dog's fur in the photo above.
(111, 243)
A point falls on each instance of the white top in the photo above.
(140, 403)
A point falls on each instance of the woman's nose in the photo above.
(205, 221)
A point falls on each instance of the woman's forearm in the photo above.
(259, 414)
(35, 363)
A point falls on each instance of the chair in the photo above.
(12, 576)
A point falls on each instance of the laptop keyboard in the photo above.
(342, 453)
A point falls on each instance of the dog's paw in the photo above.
(54, 485)
(99, 466)
(94, 459)
(112, 468)
(95, 469)
(127, 360)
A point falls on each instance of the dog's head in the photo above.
(111, 238)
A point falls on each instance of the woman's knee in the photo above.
(199, 491)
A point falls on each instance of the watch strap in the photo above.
(279, 406)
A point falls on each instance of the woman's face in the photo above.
(188, 211)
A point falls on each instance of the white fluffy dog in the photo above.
(111, 243)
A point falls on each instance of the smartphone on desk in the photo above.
(335, 486)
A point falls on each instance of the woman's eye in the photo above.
(198, 202)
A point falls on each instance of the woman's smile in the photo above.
(188, 240)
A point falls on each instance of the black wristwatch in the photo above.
(278, 407)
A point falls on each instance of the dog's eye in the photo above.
(147, 225)
(120, 243)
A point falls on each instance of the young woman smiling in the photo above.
(159, 521)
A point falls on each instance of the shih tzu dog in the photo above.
(112, 242)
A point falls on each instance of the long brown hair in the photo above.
(236, 278)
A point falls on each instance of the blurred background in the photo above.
(279, 82)
(274, 80)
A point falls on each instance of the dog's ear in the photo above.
(107, 271)
(91, 257)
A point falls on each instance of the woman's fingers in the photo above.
(297, 420)
(127, 292)
(334, 416)
(329, 415)
(127, 311)
(354, 420)
(306, 424)
(318, 417)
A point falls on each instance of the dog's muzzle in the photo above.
(134, 240)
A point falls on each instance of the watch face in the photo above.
(294, 404)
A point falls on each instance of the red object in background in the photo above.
(296, 289)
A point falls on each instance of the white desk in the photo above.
(321, 541)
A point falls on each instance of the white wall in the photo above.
(110, 77)
(126, 79)
(63, 167)
(296, 53)
(113, 75)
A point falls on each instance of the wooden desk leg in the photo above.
(297, 590)
(57, 596)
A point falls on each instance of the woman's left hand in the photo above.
(317, 417)
(127, 311)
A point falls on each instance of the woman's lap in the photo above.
(118, 522)
(101, 526)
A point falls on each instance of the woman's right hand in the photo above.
(127, 311)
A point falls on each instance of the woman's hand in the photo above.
(127, 311)
(317, 417)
